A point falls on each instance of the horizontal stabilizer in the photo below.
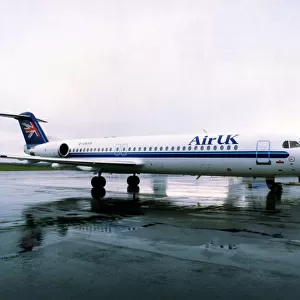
(20, 117)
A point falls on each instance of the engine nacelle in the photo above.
(52, 149)
(63, 150)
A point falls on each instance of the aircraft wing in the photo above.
(108, 162)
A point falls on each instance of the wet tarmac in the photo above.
(177, 238)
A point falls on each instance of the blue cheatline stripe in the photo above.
(211, 154)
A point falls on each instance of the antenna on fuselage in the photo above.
(204, 130)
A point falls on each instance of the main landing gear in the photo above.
(98, 183)
(273, 186)
(133, 184)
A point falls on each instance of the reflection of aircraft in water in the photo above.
(68, 212)
(42, 217)
(159, 185)
(225, 154)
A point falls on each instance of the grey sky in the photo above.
(94, 68)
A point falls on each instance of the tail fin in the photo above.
(31, 129)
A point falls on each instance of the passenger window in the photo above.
(195, 148)
(173, 148)
(228, 147)
(145, 148)
(167, 148)
(183, 148)
(235, 147)
(202, 147)
(161, 148)
(208, 147)
(129, 149)
(134, 148)
(178, 148)
(190, 148)
(155, 148)
(140, 148)
(285, 144)
(222, 147)
(150, 148)
(215, 147)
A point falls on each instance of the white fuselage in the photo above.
(191, 154)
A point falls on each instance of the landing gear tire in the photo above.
(133, 181)
(98, 193)
(98, 182)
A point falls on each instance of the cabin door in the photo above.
(263, 152)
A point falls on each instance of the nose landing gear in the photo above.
(273, 186)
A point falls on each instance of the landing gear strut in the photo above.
(273, 186)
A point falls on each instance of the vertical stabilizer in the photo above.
(31, 129)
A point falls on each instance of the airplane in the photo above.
(223, 154)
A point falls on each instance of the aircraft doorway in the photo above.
(263, 153)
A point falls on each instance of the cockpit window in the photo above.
(285, 144)
(294, 144)
(291, 144)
